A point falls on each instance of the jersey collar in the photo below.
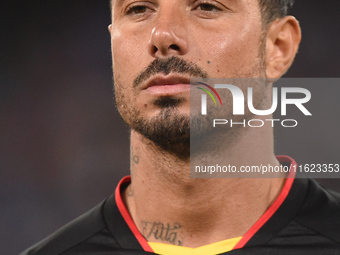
(283, 210)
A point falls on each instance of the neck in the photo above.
(168, 206)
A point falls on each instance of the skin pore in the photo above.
(193, 38)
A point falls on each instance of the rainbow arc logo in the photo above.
(209, 93)
(204, 99)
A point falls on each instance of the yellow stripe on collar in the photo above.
(210, 249)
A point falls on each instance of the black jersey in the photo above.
(304, 219)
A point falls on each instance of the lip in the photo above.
(167, 85)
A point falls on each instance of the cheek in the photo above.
(121, 58)
(229, 52)
(121, 63)
(126, 49)
(233, 56)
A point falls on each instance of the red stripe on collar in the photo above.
(127, 217)
(273, 208)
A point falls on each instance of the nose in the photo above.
(168, 36)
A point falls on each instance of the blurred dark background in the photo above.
(63, 145)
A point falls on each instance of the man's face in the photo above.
(157, 45)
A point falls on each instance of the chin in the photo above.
(169, 129)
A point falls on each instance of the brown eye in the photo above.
(137, 10)
(208, 8)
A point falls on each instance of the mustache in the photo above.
(166, 66)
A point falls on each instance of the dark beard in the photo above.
(170, 130)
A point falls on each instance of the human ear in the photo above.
(283, 39)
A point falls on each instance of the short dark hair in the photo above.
(275, 9)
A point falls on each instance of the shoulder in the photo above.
(307, 222)
(88, 228)
(320, 212)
